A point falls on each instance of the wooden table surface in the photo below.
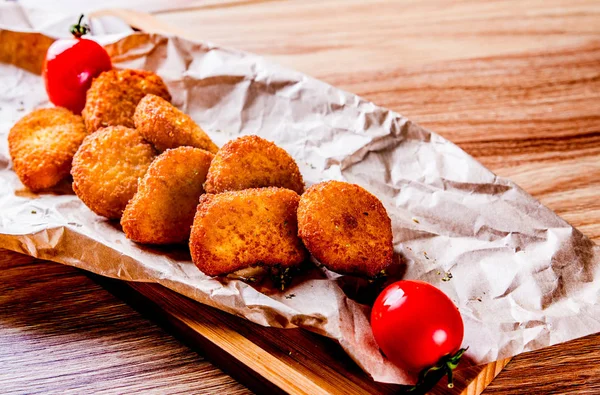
(517, 85)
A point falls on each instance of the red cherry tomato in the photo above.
(416, 325)
(70, 67)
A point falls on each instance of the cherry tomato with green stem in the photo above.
(71, 65)
(418, 327)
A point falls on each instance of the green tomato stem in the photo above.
(429, 377)
(79, 29)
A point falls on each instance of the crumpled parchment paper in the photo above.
(521, 276)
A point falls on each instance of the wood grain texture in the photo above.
(568, 368)
(517, 85)
(88, 330)
(24, 53)
(62, 333)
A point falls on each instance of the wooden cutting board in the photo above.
(517, 87)
(494, 97)
(266, 360)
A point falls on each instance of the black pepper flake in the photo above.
(290, 296)
(365, 213)
(33, 212)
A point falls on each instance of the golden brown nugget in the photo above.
(165, 126)
(114, 95)
(235, 230)
(107, 166)
(346, 228)
(163, 208)
(42, 145)
(252, 162)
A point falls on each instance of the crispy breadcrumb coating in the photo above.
(42, 145)
(114, 95)
(163, 208)
(253, 162)
(107, 166)
(165, 126)
(346, 228)
(253, 227)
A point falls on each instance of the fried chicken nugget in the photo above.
(114, 95)
(252, 162)
(163, 208)
(235, 230)
(42, 145)
(165, 126)
(107, 166)
(346, 228)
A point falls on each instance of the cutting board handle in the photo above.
(139, 20)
